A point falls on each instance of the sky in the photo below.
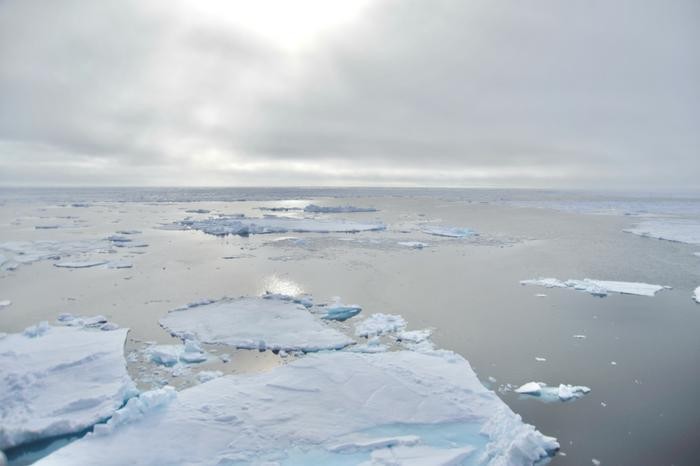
(594, 94)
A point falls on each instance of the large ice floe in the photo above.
(244, 226)
(254, 323)
(680, 230)
(449, 232)
(598, 287)
(341, 408)
(59, 380)
(344, 209)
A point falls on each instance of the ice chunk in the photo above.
(375, 405)
(413, 244)
(59, 380)
(414, 336)
(5, 303)
(341, 312)
(337, 209)
(696, 295)
(450, 232)
(563, 392)
(598, 287)
(379, 324)
(680, 230)
(206, 376)
(170, 355)
(255, 323)
(244, 226)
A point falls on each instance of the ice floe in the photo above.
(450, 232)
(696, 295)
(244, 226)
(396, 408)
(339, 311)
(598, 287)
(5, 303)
(255, 323)
(680, 230)
(59, 380)
(337, 209)
(26, 252)
(563, 392)
(379, 324)
(413, 244)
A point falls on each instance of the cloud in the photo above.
(547, 94)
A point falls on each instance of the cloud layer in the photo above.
(479, 93)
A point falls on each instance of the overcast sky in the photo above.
(550, 93)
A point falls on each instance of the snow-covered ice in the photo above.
(59, 380)
(379, 324)
(244, 226)
(563, 392)
(255, 323)
(206, 376)
(680, 230)
(450, 232)
(598, 287)
(337, 209)
(327, 408)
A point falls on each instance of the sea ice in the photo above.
(26, 252)
(5, 303)
(170, 355)
(206, 376)
(59, 380)
(244, 226)
(563, 392)
(397, 408)
(79, 264)
(337, 209)
(413, 244)
(379, 324)
(255, 323)
(696, 295)
(598, 287)
(340, 312)
(450, 232)
(680, 230)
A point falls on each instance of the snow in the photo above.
(244, 226)
(413, 244)
(337, 209)
(680, 230)
(563, 392)
(450, 232)
(696, 295)
(379, 324)
(327, 408)
(598, 287)
(59, 380)
(255, 323)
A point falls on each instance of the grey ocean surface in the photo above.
(641, 355)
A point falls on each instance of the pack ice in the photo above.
(244, 226)
(680, 230)
(399, 408)
(59, 380)
(254, 323)
(598, 287)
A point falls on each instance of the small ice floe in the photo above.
(413, 244)
(244, 226)
(541, 295)
(450, 232)
(380, 324)
(579, 337)
(59, 380)
(27, 252)
(563, 392)
(170, 355)
(313, 208)
(79, 264)
(339, 311)
(119, 264)
(198, 211)
(696, 295)
(206, 376)
(255, 323)
(539, 359)
(599, 288)
(397, 407)
(5, 303)
(679, 230)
